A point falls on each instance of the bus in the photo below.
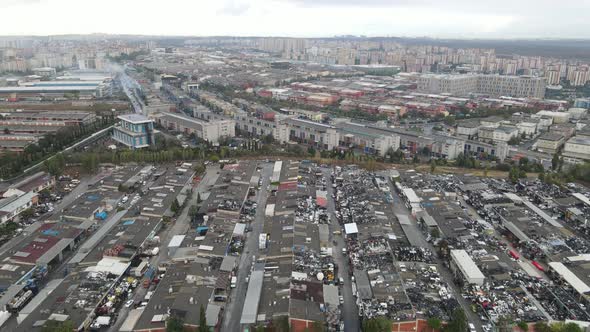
(514, 254)
(538, 266)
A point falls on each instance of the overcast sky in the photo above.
(301, 18)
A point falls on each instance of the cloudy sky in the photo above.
(301, 18)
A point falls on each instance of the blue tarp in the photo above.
(128, 222)
(202, 230)
(50, 232)
(101, 215)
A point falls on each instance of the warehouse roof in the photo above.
(250, 311)
(580, 286)
(466, 265)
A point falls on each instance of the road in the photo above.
(129, 85)
(417, 238)
(181, 226)
(350, 314)
(233, 310)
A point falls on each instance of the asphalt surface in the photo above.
(233, 310)
(350, 314)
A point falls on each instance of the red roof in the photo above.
(290, 185)
(35, 249)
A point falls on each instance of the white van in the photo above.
(472, 328)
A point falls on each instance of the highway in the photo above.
(233, 310)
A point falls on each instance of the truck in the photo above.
(141, 268)
(262, 241)
(234, 281)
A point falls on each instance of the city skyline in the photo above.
(303, 18)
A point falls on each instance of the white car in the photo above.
(128, 303)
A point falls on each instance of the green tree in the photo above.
(203, 320)
(377, 324)
(542, 327)
(450, 120)
(434, 323)
(192, 211)
(174, 324)
(55, 326)
(523, 326)
(56, 165)
(214, 158)
(281, 324)
(435, 233)
(432, 166)
(268, 139)
(514, 174)
(458, 322)
(569, 327)
(317, 327)
(555, 161)
(90, 163)
(27, 214)
(504, 324)
(175, 207)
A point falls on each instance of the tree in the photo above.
(214, 158)
(28, 213)
(523, 326)
(504, 324)
(514, 174)
(56, 165)
(200, 168)
(434, 323)
(268, 139)
(174, 324)
(317, 327)
(377, 324)
(199, 200)
(569, 327)
(450, 120)
(90, 163)
(435, 233)
(514, 141)
(458, 322)
(55, 326)
(175, 207)
(203, 320)
(432, 166)
(542, 327)
(192, 211)
(555, 161)
(281, 324)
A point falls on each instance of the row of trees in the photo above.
(12, 164)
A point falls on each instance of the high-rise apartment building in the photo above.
(494, 85)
